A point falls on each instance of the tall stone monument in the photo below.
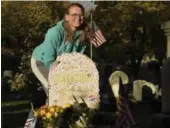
(162, 120)
(166, 73)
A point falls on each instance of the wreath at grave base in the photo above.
(77, 115)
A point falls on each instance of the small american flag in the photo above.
(31, 120)
(125, 118)
(92, 97)
(98, 38)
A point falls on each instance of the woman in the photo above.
(67, 36)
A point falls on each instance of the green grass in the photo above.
(17, 111)
(13, 103)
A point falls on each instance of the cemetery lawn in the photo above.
(14, 113)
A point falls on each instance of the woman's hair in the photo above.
(86, 31)
(74, 5)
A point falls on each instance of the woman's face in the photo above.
(75, 17)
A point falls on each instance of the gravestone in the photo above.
(114, 81)
(150, 72)
(137, 88)
(73, 76)
(8, 73)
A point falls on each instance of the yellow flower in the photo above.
(48, 115)
(51, 109)
(44, 118)
(67, 105)
(61, 110)
(42, 112)
(56, 114)
(57, 108)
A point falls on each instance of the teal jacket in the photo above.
(55, 44)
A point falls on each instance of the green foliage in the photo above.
(25, 23)
(23, 19)
(132, 27)
(18, 82)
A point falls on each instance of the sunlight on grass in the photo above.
(14, 103)
(17, 112)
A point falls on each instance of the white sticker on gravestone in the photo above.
(114, 81)
(73, 75)
(137, 88)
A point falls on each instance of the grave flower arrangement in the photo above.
(49, 115)
(77, 115)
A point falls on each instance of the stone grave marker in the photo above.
(114, 81)
(73, 75)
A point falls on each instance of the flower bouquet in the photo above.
(49, 115)
(77, 115)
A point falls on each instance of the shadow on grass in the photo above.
(14, 120)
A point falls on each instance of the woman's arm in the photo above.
(50, 45)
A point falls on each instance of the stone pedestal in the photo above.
(162, 120)
(165, 78)
(166, 27)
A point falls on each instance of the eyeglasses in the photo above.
(76, 15)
